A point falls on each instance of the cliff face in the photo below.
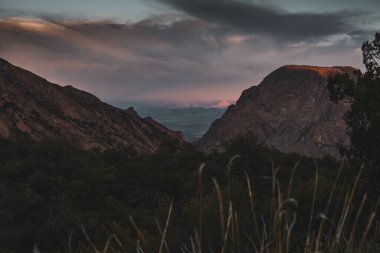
(33, 108)
(289, 110)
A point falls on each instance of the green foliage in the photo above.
(48, 190)
(371, 56)
(363, 118)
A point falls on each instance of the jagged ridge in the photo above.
(33, 108)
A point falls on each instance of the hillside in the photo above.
(33, 108)
(289, 110)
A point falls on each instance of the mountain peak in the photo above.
(3, 61)
(289, 110)
(321, 70)
(4, 65)
(131, 111)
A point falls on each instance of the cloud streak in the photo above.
(136, 60)
(253, 18)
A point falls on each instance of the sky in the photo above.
(180, 52)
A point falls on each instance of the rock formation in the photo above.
(33, 108)
(289, 110)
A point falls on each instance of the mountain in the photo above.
(33, 108)
(289, 110)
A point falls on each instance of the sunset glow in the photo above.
(171, 54)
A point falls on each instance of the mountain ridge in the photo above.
(33, 108)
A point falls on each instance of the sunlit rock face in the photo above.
(33, 108)
(289, 110)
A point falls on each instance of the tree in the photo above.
(371, 56)
(363, 118)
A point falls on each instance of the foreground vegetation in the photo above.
(246, 199)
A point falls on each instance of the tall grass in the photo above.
(344, 224)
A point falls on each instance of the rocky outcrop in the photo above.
(289, 110)
(33, 108)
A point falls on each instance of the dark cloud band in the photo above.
(257, 19)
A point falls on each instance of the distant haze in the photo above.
(193, 122)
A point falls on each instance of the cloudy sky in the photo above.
(182, 52)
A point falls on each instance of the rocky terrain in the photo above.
(289, 110)
(33, 108)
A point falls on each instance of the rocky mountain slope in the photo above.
(289, 110)
(33, 108)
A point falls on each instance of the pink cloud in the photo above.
(223, 103)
